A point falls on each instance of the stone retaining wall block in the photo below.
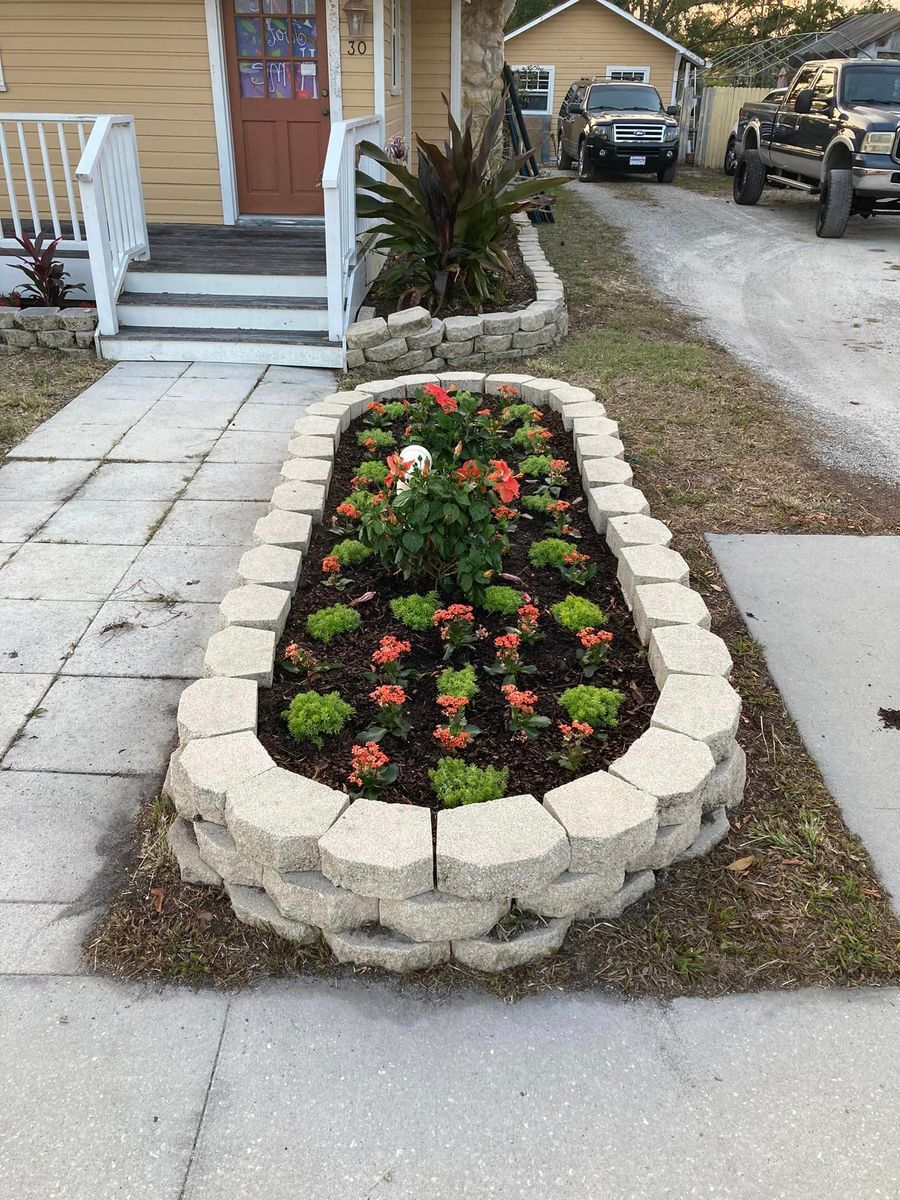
(607, 820)
(686, 650)
(670, 766)
(309, 896)
(183, 844)
(255, 607)
(705, 707)
(658, 604)
(241, 654)
(380, 849)
(282, 528)
(218, 849)
(278, 817)
(392, 951)
(435, 916)
(725, 787)
(253, 907)
(574, 894)
(210, 707)
(491, 954)
(207, 767)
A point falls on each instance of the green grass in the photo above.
(36, 384)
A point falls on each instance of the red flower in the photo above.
(456, 612)
(397, 470)
(558, 506)
(521, 701)
(590, 637)
(504, 513)
(452, 705)
(573, 558)
(390, 649)
(508, 641)
(330, 565)
(347, 510)
(576, 731)
(483, 412)
(377, 409)
(559, 464)
(470, 470)
(503, 481)
(507, 391)
(528, 619)
(388, 693)
(449, 741)
(365, 759)
(441, 397)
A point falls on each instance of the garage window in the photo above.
(628, 74)
(535, 87)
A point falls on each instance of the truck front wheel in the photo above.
(587, 172)
(749, 178)
(835, 202)
(667, 173)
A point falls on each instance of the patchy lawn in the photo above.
(790, 898)
(709, 181)
(33, 386)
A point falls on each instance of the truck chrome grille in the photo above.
(638, 133)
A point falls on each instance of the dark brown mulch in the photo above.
(530, 768)
(516, 291)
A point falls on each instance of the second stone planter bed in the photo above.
(386, 884)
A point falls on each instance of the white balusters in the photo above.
(345, 243)
(37, 177)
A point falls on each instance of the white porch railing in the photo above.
(112, 199)
(104, 213)
(350, 263)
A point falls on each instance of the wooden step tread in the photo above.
(202, 300)
(142, 333)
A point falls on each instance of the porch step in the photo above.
(284, 348)
(145, 279)
(199, 311)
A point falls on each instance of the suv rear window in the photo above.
(641, 97)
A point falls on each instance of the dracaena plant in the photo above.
(445, 225)
(46, 275)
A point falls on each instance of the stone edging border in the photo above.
(71, 330)
(413, 340)
(300, 858)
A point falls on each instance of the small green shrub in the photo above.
(311, 715)
(383, 438)
(458, 683)
(577, 613)
(502, 600)
(416, 611)
(549, 552)
(538, 502)
(599, 707)
(372, 469)
(456, 783)
(395, 410)
(350, 553)
(536, 466)
(360, 500)
(325, 624)
(518, 412)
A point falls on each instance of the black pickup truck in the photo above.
(836, 134)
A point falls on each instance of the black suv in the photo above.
(616, 127)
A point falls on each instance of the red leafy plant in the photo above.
(46, 275)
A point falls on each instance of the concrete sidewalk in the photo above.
(122, 520)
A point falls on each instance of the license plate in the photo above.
(637, 160)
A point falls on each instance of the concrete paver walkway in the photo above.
(122, 520)
(119, 539)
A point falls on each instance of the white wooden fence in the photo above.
(97, 205)
(350, 260)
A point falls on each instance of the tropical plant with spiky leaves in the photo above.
(444, 226)
(45, 273)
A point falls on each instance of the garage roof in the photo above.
(620, 12)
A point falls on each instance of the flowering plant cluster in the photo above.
(389, 699)
(574, 748)
(508, 660)
(371, 771)
(456, 626)
(522, 721)
(527, 624)
(594, 648)
(386, 660)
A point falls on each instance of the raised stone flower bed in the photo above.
(413, 340)
(38, 327)
(389, 884)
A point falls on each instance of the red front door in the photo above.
(278, 84)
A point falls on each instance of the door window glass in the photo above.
(803, 81)
(823, 94)
(277, 49)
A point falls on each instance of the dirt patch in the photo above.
(889, 717)
(516, 286)
(531, 770)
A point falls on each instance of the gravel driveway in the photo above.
(820, 318)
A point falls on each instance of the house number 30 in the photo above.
(357, 48)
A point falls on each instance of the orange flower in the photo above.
(590, 637)
(449, 741)
(365, 759)
(452, 705)
(330, 565)
(347, 510)
(389, 650)
(503, 481)
(397, 470)
(456, 612)
(504, 513)
(388, 693)
(377, 409)
(470, 470)
(441, 397)
(521, 701)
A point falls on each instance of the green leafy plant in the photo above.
(597, 707)
(351, 553)
(502, 600)
(518, 412)
(575, 567)
(575, 612)
(373, 470)
(46, 275)
(360, 499)
(455, 427)
(444, 227)
(461, 682)
(325, 624)
(416, 611)
(538, 502)
(530, 439)
(374, 440)
(454, 782)
(385, 414)
(536, 466)
(311, 715)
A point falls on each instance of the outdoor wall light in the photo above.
(356, 12)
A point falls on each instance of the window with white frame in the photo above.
(535, 87)
(628, 74)
(396, 48)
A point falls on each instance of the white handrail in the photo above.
(349, 264)
(112, 203)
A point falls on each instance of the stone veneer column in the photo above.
(482, 55)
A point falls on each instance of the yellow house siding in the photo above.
(357, 69)
(430, 67)
(584, 40)
(124, 56)
(393, 102)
